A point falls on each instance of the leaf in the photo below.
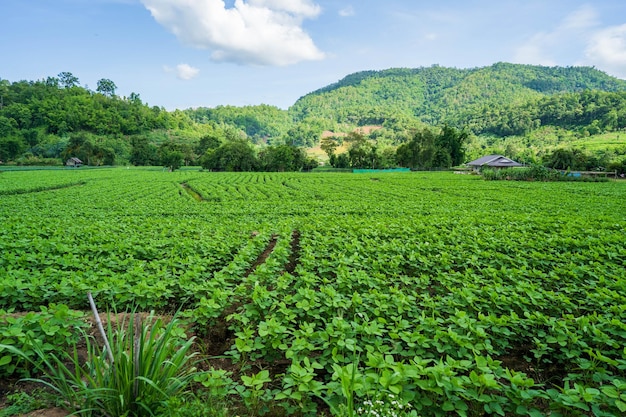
(5, 360)
(447, 406)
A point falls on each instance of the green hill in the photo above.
(526, 110)
(436, 95)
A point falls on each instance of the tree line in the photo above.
(505, 108)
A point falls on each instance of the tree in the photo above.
(427, 150)
(79, 146)
(106, 87)
(285, 158)
(453, 142)
(561, 159)
(11, 148)
(171, 156)
(341, 161)
(231, 156)
(358, 150)
(142, 152)
(7, 126)
(52, 82)
(303, 134)
(208, 142)
(134, 98)
(68, 80)
(329, 145)
(419, 152)
(277, 158)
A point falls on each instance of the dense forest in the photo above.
(526, 112)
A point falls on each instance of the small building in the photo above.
(73, 162)
(493, 161)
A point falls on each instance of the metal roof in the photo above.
(494, 161)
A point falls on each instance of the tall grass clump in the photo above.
(152, 362)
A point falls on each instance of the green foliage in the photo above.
(151, 364)
(11, 148)
(60, 107)
(20, 403)
(197, 406)
(572, 159)
(106, 87)
(306, 133)
(231, 156)
(329, 145)
(143, 152)
(208, 142)
(537, 173)
(45, 331)
(258, 122)
(429, 150)
(86, 148)
(171, 155)
(500, 99)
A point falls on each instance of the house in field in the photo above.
(493, 161)
(73, 162)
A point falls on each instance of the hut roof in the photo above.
(498, 161)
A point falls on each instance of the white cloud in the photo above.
(256, 32)
(304, 8)
(607, 50)
(186, 72)
(183, 71)
(548, 48)
(347, 11)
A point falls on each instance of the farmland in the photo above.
(455, 294)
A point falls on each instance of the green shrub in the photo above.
(535, 173)
(19, 403)
(51, 329)
(151, 364)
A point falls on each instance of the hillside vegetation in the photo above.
(524, 111)
(502, 99)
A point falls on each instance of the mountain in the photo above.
(503, 104)
(476, 98)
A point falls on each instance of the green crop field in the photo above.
(456, 295)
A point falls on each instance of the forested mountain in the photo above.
(502, 99)
(524, 111)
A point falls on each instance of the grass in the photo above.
(152, 363)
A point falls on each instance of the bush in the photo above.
(35, 333)
(535, 173)
(31, 160)
(151, 364)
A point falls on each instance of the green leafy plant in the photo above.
(385, 406)
(22, 403)
(253, 392)
(52, 328)
(152, 362)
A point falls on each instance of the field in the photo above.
(457, 295)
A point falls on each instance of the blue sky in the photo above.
(190, 53)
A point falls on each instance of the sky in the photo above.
(181, 54)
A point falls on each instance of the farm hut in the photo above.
(73, 162)
(493, 161)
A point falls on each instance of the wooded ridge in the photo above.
(523, 110)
